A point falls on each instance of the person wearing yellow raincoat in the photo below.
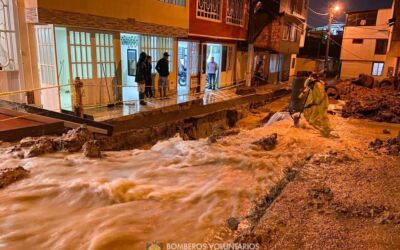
(316, 105)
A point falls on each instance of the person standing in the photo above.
(316, 105)
(141, 76)
(149, 79)
(212, 69)
(162, 68)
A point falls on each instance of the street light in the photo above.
(334, 9)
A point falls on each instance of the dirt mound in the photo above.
(72, 141)
(389, 146)
(380, 105)
(11, 175)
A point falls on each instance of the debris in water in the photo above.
(71, 142)
(74, 139)
(91, 149)
(386, 131)
(268, 143)
(220, 133)
(11, 175)
(268, 117)
(389, 146)
(233, 223)
(43, 145)
(276, 117)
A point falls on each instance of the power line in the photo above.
(349, 51)
(318, 13)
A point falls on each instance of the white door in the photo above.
(47, 66)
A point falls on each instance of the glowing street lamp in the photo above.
(335, 9)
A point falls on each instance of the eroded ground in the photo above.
(344, 196)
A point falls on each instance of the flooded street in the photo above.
(176, 191)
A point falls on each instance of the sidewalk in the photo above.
(101, 114)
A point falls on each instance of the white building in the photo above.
(366, 41)
(336, 28)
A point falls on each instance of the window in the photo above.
(155, 46)
(290, 32)
(296, 6)
(362, 19)
(358, 41)
(8, 38)
(293, 62)
(81, 54)
(377, 68)
(235, 12)
(286, 32)
(46, 55)
(175, 2)
(105, 55)
(293, 33)
(209, 9)
(381, 46)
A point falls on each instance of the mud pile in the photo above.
(389, 146)
(380, 105)
(73, 141)
(11, 175)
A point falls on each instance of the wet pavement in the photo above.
(209, 97)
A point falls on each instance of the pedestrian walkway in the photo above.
(133, 107)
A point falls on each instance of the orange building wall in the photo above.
(218, 30)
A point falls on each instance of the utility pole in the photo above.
(250, 53)
(328, 42)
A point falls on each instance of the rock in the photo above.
(389, 146)
(11, 175)
(91, 149)
(43, 146)
(233, 223)
(74, 140)
(268, 143)
(386, 132)
(28, 142)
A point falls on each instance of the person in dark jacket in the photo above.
(149, 79)
(141, 76)
(162, 68)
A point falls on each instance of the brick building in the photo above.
(278, 42)
(215, 27)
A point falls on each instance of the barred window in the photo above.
(209, 9)
(235, 12)
(8, 38)
(105, 55)
(81, 54)
(175, 2)
(155, 46)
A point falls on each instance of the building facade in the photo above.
(366, 43)
(215, 28)
(98, 41)
(278, 43)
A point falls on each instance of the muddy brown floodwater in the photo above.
(176, 191)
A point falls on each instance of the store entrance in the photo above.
(213, 53)
(129, 58)
(188, 61)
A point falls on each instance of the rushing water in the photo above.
(177, 191)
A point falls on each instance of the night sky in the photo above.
(349, 5)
